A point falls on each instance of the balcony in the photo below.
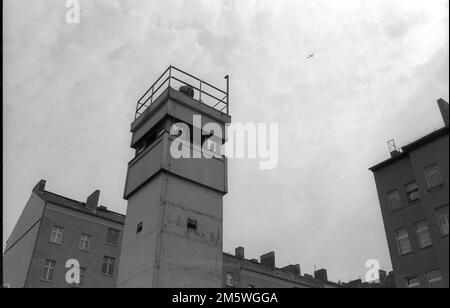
(173, 77)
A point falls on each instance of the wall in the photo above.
(74, 223)
(20, 245)
(191, 258)
(395, 176)
(138, 252)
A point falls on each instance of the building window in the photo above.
(229, 279)
(433, 176)
(139, 227)
(404, 245)
(394, 200)
(412, 282)
(82, 275)
(434, 279)
(49, 269)
(57, 234)
(85, 242)
(423, 234)
(108, 265)
(192, 224)
(412, 191)
(442, 217)
(113, 236)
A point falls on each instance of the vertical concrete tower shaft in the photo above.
(173, 227)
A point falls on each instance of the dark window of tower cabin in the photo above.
(150, 137)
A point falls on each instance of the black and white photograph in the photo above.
(211, 147)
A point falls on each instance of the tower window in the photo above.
(139, 227)
(192, 224)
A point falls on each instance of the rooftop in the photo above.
(100, 211)
(200, 90)
(412, 146)
(397, 154)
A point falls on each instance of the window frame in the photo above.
(425, 228)
(410, 192)
(110, 229)
(397, 238)
(429, 282)
(139, 228)
(428, 176)
(229, 279)
(84, 241)
(55, 234)
(82, 278)
(388, 197)
(48, 270)
(409, 285)
(107, 261)
(446, 217)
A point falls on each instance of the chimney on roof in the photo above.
(239, 252)
(92, 201)
(40, 186)
(443, 107)
(268, 260)
(292, 268)
(321, 274)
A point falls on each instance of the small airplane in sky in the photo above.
(310, 56)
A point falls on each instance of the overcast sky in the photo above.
(379, 66)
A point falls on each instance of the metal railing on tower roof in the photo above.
(172, 77)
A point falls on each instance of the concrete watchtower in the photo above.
(173, 227)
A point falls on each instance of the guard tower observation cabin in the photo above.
(173, 228)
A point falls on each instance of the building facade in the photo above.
(239, 272)
(52, 230)
(413, 192)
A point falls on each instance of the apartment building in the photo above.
(413, 192)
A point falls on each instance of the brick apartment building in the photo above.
(413, 192)
(53, 229)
